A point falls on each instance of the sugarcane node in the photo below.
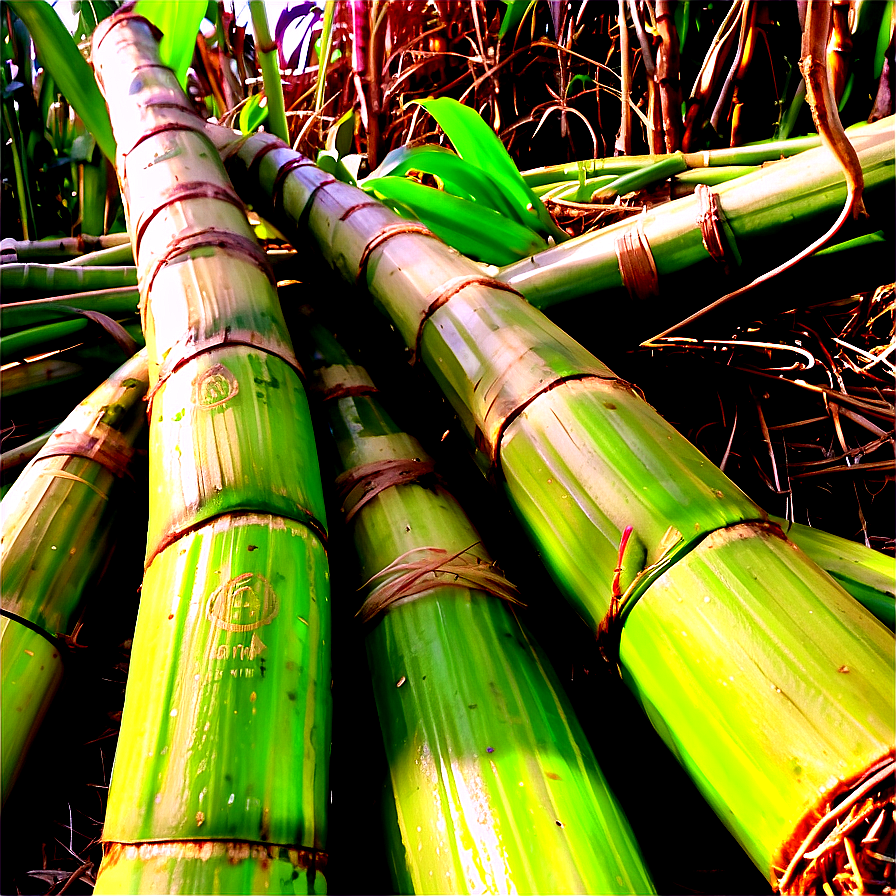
(381, 237)
(446, 291)
(109, 449)
(335, 381)
(810, 854)
(358, 206)
(300, 857)
(709, 220)
(636, 264)
(163, 128)
(360, 485)
(123, 14)
(55, 640)
(302, 516)
(209, 237)
(405, 580)
(276, 198)
(492, 447)
(182, 193)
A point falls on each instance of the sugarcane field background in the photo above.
(340, 220)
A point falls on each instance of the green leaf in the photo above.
(458, 177)
(328, 160)
(325, 47)
(513, 15)
(478, 232)
(884, 36)
(60, 56)
(253, 114)
(341, 136)
(476, 142)
(179, 24)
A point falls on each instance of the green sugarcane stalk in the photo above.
(44, 337)
(270, 70)
(111, 255)
(66, 247)
(220, 780)
(774, 204)
(54, 278)
(868, 575)
(21, 454)
(751, 154)
(486, 757)
(113, 302)
(58, 522)
(582, 458)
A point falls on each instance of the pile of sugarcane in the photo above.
(770, 682)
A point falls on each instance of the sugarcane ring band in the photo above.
(385, 234)
(210, 237)
(303, 517)
(334, 381)
(446, 291)
(361, 484)
(709, 220)
(54, 640)
(406, 580)
(283, 172)
(181, 193)
(636, 264)
(111, 451)
(174, 362)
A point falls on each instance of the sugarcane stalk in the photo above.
(868, 575)
(67, 247)
(776, 203)
(58, 279)
(114, 302)
(21, 454)
(220, 780)
(582, 458)
(752, 154)
(111, 255)
(57, 527)
(486, 757)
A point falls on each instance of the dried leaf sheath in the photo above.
(582, 458)
(57, 527)
(220, 780)
(486, 758)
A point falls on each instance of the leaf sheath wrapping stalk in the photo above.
(606, 461)
(221, 774)
(485, 755)
(57, 525)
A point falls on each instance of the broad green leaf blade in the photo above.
(459, 177)
(476, 142)
(73, 76)
(179, 24)
(513, 15)
(477, 232)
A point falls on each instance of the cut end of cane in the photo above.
(846, 844)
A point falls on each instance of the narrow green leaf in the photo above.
(253, 114)
(459, 177)
(513, 15)
(179, 23)
(476, 142)
(479, 233)
(323, 54)
(341, 137)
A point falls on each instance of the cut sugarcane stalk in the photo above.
(113, 302)
(486, 757)
(67, 247)
(582, 457)
(221, 774)
(754, 210)
(868, 575)
(57, 524)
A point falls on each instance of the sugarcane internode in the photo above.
(58, 520)
(221, 772)
(732, 639)
(493, 787)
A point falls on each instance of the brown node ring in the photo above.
(636, 264)
(446, 291)
(358, 486)
(383, 236)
